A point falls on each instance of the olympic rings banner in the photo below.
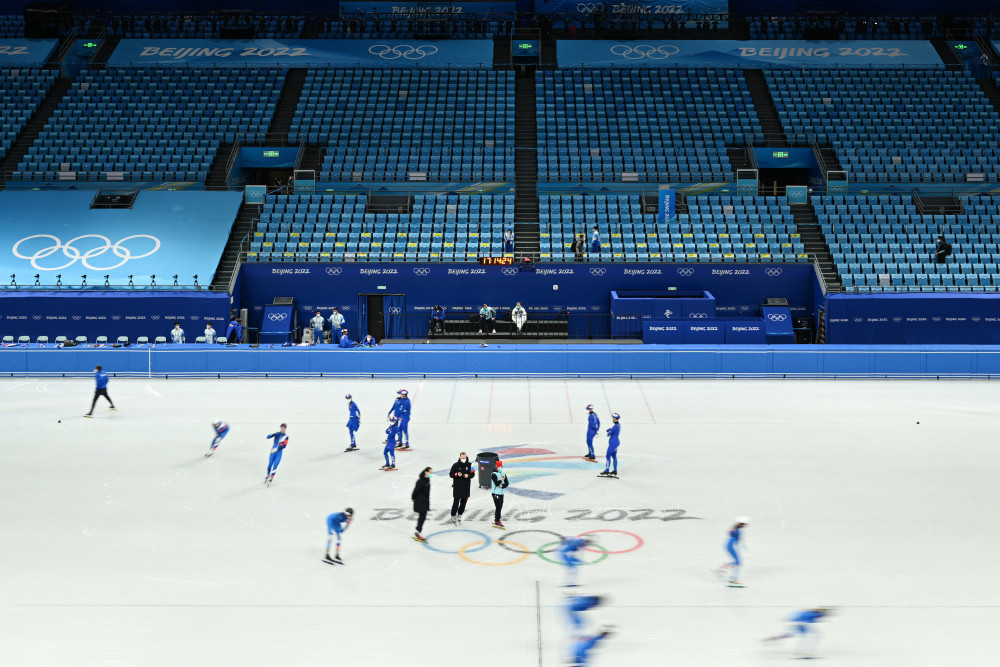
(731, 53)
(651, 9)
(56, 233)
(111, 314)
(302, 53)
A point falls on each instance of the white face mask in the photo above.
(462, 459)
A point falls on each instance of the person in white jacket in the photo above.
(177, 334)
(210, 333)
(317, 327)
(336, 321)
(519, 315)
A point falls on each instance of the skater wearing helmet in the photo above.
(280, 442)
(593, 428)
(404, 419)
(336, 524)
(732, 568)
(498, 482)
(353, 421)
(803, 626)
(389, 451)
(221, 429)
(395, 411)
(613, 442)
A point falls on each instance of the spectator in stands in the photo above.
(346, 342)
(234, 333)
(437, 320)
(508, 240)
(942, 250)
(177, 334)
(595, 242)
(487, 320)
(336, 321)
(579, 247)
(317, 327)
(210, 333)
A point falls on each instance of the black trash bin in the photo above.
(487, 463)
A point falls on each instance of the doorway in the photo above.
(382, 315)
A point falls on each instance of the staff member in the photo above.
(595, 242)
(519, 315)
(487, 319)
(177, 334)
(336, 320)
(942, 250)
(498, 482)
(234, 333)
(101, 378)
(461, 483)
(210, 333)
(421, 498)
(317, 327)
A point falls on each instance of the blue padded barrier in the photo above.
(638, 361)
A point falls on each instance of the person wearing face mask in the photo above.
(421, 498)
(498, 482)
(461, 483)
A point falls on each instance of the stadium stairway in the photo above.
(828, 158)
(33, 127)
(229, 262)
(991, 91)
(738, 158)
(812, 237)
(107, 47)
(527, 235)
(216, 179)
(284, 112)
(947, 54)
(763, 104)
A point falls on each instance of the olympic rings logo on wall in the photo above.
(523, 553)
(74, 254)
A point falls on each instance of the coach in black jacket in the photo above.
(461, 483)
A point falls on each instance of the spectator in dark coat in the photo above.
(942, 250)
(422, 501)
(579, 247)
(461, 484)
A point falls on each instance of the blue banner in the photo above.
(652, 9)
(277, 325)
(302, 53)
(667, 204)
(754, 54)
(913, 319)
(163, 234)
(111, 314)
(26, 51)
(739, 289)
(405, 9)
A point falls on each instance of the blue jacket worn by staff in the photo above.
(234, 332)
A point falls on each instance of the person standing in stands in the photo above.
(101, 379)
(177, 334)
(579, 246)
(234, 333)
(595, 242)
(336, 321)
(487, 320)
(942, 250)
(508, 240)
(317, 327)
(210, 333)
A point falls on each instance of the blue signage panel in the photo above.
(277, 324)
(111, 314)
(797, 194)
(421, 8)
(731, 53)
(667, 204)
(163, 234)
(931, 319)
(302, 53)
(652, 9)
(254, 194)
(26, 51)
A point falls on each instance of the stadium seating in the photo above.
(383, 125)
(12, 26)
(717, 228)
(203, 26)
(908, 125)
(872, 235)
(323, 228)
(21, 91)
(151, 124)
(641, 124)
(428, 26)
(847, 27)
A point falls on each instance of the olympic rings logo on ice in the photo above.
(772, 271)
(523, 553)
(74, 253)
(334, 270)
(422, 271)
(776, 317)
(407, 51)
(509, 271)
(277, 317)
(598, 271)
(685, 271)
(640, 51)
(589, 7)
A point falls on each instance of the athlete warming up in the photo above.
(803, 626)
(613, 442)
(280, 442)
(593, 427)
(100, 389)
(336, 524)
(567, 554)
(404, 419)
(353, 422)
(396, 411)
(583, 643)
(730, 572)
(389, 451)
(221, 429)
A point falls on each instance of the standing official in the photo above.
(101, 379)
(498, 482)
(177, 334)
(421, 498)
(461, 486)
(336, 320)
(210, 333)
(317, 327)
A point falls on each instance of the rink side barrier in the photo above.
(497, 361)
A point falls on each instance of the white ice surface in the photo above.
(120, 544)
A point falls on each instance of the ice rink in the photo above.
(123, 545)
